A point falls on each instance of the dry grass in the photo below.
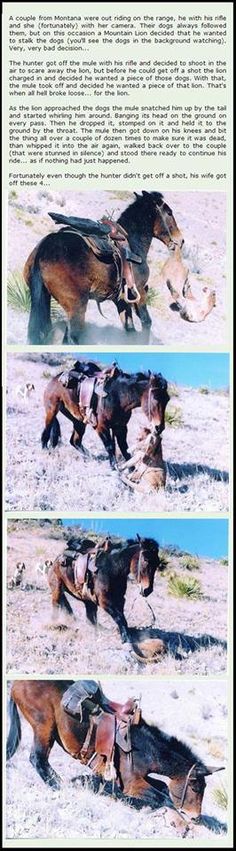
(204, 249)
(35, 647)
(77, 813)
(196, 454)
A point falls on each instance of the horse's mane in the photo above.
(135, 210)
(148, 541)
(176, 749)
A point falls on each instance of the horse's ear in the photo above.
(162, 777)
(137, 195)
(145, 194)
(153, 379)
(138, 537)
(210, 769)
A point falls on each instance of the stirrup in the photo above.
(134, 300)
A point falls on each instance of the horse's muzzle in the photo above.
(145, 591)
(159, 429)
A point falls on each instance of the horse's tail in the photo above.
(40, 321)
(51, 432)
(14, 735)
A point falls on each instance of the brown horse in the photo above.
(109, 413)
(101, 580)
(63, 265)
(147, 757)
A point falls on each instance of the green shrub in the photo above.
(173, 416)
(224, 561)
(154, 298)
(180, 586)
(204, 390)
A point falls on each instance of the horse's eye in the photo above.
(146, 288)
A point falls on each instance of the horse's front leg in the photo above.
(91, 612)
(116, 612)
(143, 315)
(121, 437)
(125, 314)
(108, 442)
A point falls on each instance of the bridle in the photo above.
(188, 778)
(160, 209)
(178, 810)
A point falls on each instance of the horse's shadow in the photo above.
(212, 823)
(184, 471)
(96, 785)
(178, 644)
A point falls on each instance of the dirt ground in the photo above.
(189, 709)
(194, 630)
(200, 215)
(196, 452)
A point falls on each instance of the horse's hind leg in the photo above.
(59, 601)
(76, 320)
(77, 436)
(52, 429)
(39, 759)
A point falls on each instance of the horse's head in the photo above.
(186, 791)
(145, 563)
(164, 226)
(154, 401)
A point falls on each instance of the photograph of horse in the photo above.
(105, 399)
(66, 449)
(128, 602)
(82, 265)
(123, 745)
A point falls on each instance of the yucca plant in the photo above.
(180, 586)
(154, 299)
(173, 416)
(18, 296)
(220, 796)
(190, 562)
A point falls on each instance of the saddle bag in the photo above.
(79, 693)
(85, 226)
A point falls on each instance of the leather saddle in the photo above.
(109, 724)
(109, 242)
(84, 566)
